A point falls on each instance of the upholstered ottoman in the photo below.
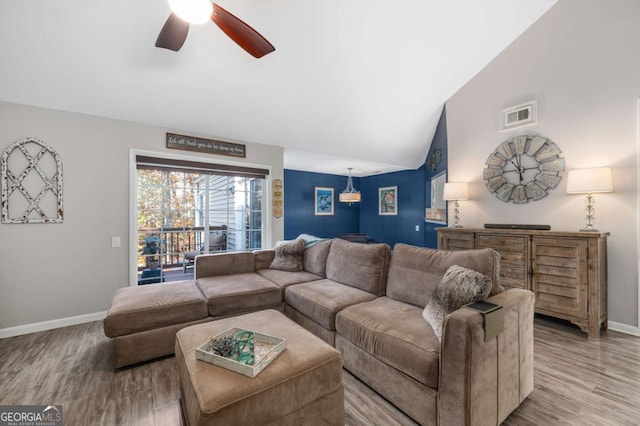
(303, 385)
(144, 320)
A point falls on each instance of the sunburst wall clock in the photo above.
(524, 168)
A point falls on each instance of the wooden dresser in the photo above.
(567, 271)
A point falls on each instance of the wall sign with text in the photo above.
(208, 146)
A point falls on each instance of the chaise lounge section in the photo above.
(143, 320)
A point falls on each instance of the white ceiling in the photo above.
(352, 83)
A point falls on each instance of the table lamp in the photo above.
(589, 181)
(456, 191)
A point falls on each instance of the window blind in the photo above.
(172, 165)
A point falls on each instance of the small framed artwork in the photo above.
(388, 200)
(323, 200)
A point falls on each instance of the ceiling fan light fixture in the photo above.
(192, 11)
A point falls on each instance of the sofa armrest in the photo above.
(211, 265)
(480, 382)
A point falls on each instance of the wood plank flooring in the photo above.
(577, 382)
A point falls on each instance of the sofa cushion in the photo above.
(458, 287)
(136, 309)
(415, 272)
(208, 265)
(284, 278)
(322, 300)
(395, 333)
(314, 258)
(363, 266)
(233, 294)
(288, 255)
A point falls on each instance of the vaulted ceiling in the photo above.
(352, 83)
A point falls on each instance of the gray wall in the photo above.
(55, 271)
(581, 62)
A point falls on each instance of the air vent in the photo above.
(519, 115)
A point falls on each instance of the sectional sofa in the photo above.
(368, 303)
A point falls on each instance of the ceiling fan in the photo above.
(183, 12)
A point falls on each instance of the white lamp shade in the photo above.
(455, 191)
(349, 197)
(588, 181)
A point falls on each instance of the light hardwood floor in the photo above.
(577, 382)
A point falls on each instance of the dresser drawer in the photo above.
(515, 259)
(456, 241)
(513, 277)
(503, 242)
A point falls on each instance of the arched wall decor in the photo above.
(31, 183)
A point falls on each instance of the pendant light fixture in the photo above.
(350, 194)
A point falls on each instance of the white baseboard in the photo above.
(624, 328)
(50, 325)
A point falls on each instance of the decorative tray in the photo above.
(266, 349)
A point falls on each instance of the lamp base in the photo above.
(589, 230)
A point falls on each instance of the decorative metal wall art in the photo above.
(434, 159)
(31, 183)
(277, 198)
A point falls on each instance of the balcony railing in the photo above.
(174, 243)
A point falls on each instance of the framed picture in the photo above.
(388, 200)
(437, 211)
(323, 201)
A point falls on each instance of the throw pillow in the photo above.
(458, 287)
(288, 255)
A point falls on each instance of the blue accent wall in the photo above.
(299, 215)
(410, 197)
(439, 142)
(414, 193)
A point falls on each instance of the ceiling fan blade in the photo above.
(245, 36)
(173, 33)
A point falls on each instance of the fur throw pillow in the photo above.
(288, 255)
(459, 286)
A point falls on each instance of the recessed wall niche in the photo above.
(31, 183)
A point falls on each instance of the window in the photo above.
(186, 208)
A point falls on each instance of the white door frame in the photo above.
(133, 198)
